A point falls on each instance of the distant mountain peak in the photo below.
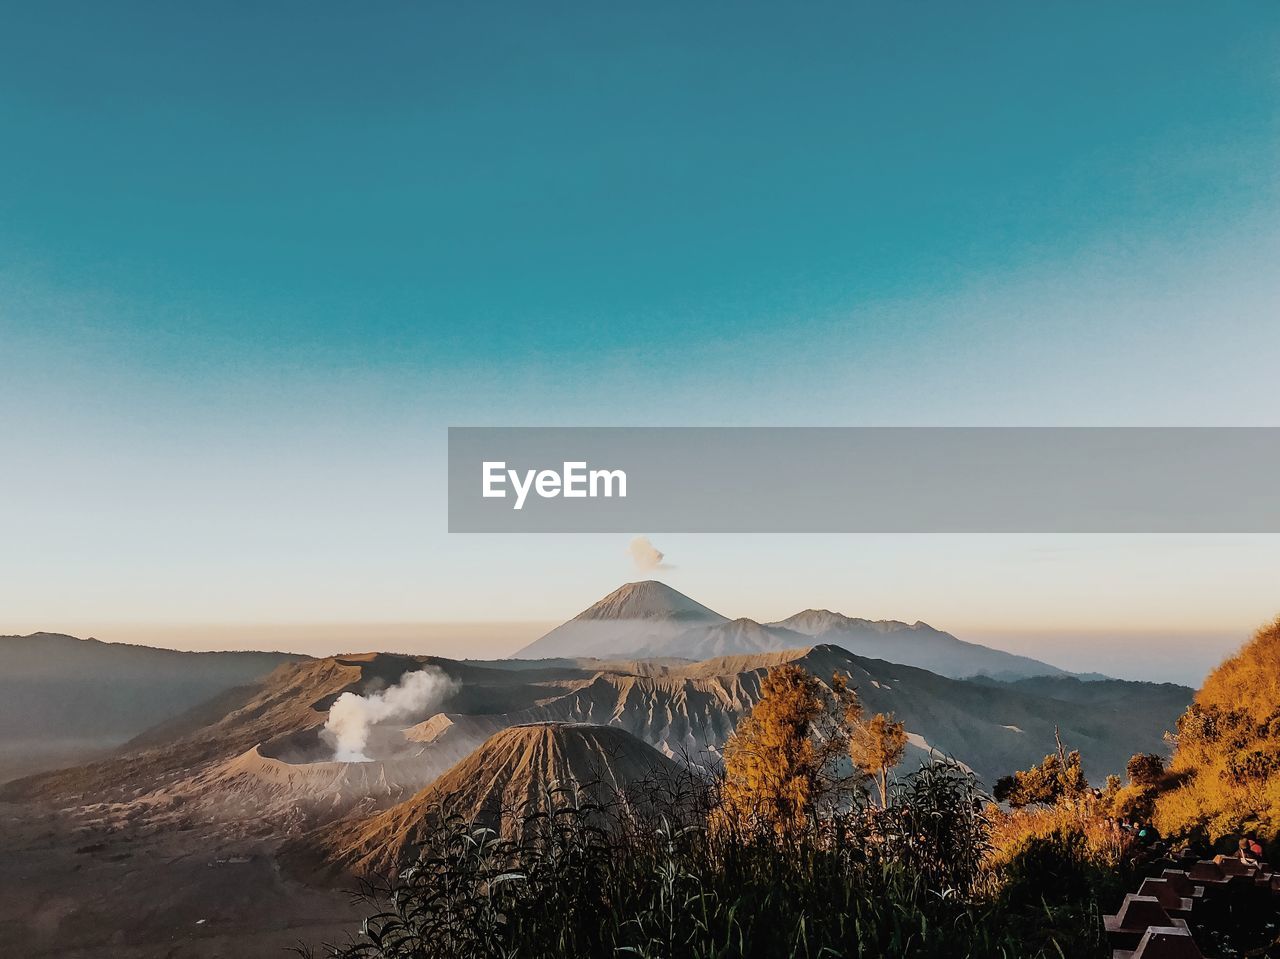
(649, 599)
(630, 618)
(816, 622)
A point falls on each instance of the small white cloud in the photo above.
(646, 556)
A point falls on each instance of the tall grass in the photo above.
(907, 880)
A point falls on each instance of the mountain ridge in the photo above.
(65, 700)
(254, 759)
(650, 619)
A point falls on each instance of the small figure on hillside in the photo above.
(1255, 848)
(1246, 853)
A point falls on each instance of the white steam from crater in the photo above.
(646, 556)
(352, 716)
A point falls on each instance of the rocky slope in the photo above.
(724, 639)
(254, 756)
(689, 710)
(498, 785)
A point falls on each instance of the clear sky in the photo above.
(255, 259)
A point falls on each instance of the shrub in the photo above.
(1044, 784)
(779, 764)
(1225, 774)
(908, 879)
(1050, 867)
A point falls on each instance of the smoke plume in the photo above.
(646, 556)
(351, 716)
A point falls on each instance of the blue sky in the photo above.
(254, 260)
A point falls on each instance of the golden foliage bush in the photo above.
(804, 746)
(1225, 774)
(876, 746)
(1085, 819)
(1046, 783)
(1133, 801)
(1249, 680)
(778, 765)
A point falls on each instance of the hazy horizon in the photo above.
(1182, 657)
(1156, 607)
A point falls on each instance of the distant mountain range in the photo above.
(257, 749)
(651, 620)
(65, 700)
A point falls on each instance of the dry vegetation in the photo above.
(806, 847)
(1225, 774)
(904, 880)
(786, 855)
